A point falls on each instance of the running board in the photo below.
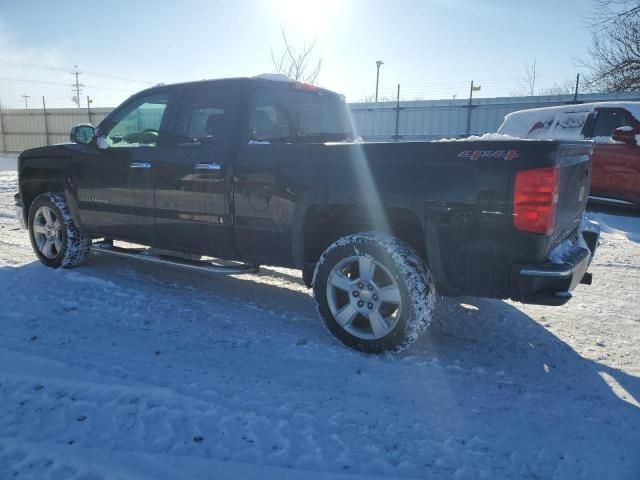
(201, 265)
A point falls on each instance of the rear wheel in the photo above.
(373, 292)
(55, 238)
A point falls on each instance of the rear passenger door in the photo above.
(193, 173)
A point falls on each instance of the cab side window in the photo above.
(137, 124)
(205, 116)
(606, 121)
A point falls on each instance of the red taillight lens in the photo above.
(535, 200)
(305, 87)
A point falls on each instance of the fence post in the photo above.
(46, 122)
(469, 109)
(89, 109)
(396, 136)
(4, 145)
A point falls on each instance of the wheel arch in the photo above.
(47, 175)
(322, 225)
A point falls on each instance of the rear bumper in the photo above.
(551, 283)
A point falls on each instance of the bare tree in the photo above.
(527, 83)
(606, 12)
(563, 88)
(294, 63)
(613, 60)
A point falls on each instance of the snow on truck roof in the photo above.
(275, 77)
(520, 123)
(632, 107)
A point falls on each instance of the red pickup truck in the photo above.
(613, 126)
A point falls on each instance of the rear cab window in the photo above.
(288, 114)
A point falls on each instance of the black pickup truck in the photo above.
(266, 171)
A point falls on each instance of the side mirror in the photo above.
(82, 133)
(624, 134)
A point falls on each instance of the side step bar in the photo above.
(200, 265)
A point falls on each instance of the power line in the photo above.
(93, 74)
(46, 82)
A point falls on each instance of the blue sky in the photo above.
(432, 47)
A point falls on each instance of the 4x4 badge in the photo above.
(476, 154)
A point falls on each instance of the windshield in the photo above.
(291, 116)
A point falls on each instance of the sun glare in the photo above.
(305, 16)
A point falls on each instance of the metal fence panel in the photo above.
(21, 129)
(434, 119)
(23, 121)
(17, 142)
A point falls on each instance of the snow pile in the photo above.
(487, 137)
(602, 140)
(274, 77)
(618, 225)
(556, 256)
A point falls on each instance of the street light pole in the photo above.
(378, 64)
(26, 105)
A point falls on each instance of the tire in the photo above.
(383, 312)
(56, 239)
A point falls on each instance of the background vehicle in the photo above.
(266, 172)
(613, 126)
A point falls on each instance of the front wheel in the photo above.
(373, 292)
(55, 238)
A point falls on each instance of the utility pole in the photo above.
(474, 88)
(77, 86)
(2, 137)
(46, 122)
(26, 103)
(89, 102)
(379, 63)
(575, 95)
(397, 135)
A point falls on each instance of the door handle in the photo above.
(139, 165)
(208, 166)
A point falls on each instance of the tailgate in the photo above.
(574, 161)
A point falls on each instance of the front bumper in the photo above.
(20, 211)
(552, 283)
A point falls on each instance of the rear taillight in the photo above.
(305, 87)
(535, 200)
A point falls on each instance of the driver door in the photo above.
(113, 176)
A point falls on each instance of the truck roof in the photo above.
(273, 80)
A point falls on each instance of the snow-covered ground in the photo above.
(124, 370)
